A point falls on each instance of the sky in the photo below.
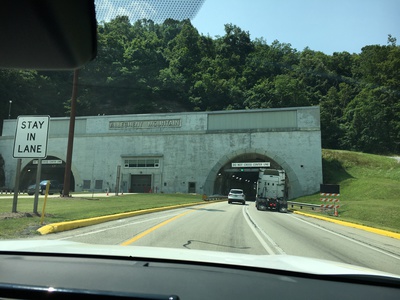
(322, 25)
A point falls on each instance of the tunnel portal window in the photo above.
(142, 163)
(98, 184)
(86, 184)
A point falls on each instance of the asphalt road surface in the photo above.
(236, 228)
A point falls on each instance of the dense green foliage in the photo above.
(151, 68)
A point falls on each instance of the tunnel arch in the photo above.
(52, 168)
(218, 183)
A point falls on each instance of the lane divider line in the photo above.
(275, 245)
(115, 227)
(253, 227)
(146, 232)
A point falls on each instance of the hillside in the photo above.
(369, 187)
(147, 67)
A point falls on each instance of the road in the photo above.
(243, 229)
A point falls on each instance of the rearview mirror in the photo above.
(47, 34)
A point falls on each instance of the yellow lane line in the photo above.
(144, 233)
(69, 225)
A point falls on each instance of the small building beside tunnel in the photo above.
(192, 152)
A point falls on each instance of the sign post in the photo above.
(31, 137)
(16, 187)
(37, 182)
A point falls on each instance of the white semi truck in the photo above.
(272, 190)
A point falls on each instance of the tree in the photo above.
(333, 106)
(315, 75)
(372, 121)
(259, 96)
(235, 45)
(379, 66)
(147, 68)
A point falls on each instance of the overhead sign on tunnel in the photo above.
(251, 164)
(31, 136)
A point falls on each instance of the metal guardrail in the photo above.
(290, 203)
(11, 191)
(313, 206)
(214, 197)
(319, 207)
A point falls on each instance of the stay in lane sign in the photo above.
(31, 137)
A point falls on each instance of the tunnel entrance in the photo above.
(241, 172)
(53, 168)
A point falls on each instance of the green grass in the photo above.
(66, 209)
(369, 188)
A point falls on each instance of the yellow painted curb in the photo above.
(349, 224)
(68, 225)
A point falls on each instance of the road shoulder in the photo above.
(69, 225)
(349, 224)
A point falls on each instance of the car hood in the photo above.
(273, 262)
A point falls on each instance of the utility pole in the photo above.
(67, 174)
(9, 110)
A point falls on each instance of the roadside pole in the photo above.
(117, 180)
(44, 202)
(16, 185)
(71, 132)
(36, 200)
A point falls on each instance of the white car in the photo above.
(236, 195)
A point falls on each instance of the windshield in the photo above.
(248, 127)
(236, 192)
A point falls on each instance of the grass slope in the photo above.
(67, 209)
(369, 188)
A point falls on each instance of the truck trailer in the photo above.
(272, 190)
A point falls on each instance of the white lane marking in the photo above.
(275, 245)
(253, 226)
(116, 227)
(347, 238)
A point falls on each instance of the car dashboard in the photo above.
(25, 275)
